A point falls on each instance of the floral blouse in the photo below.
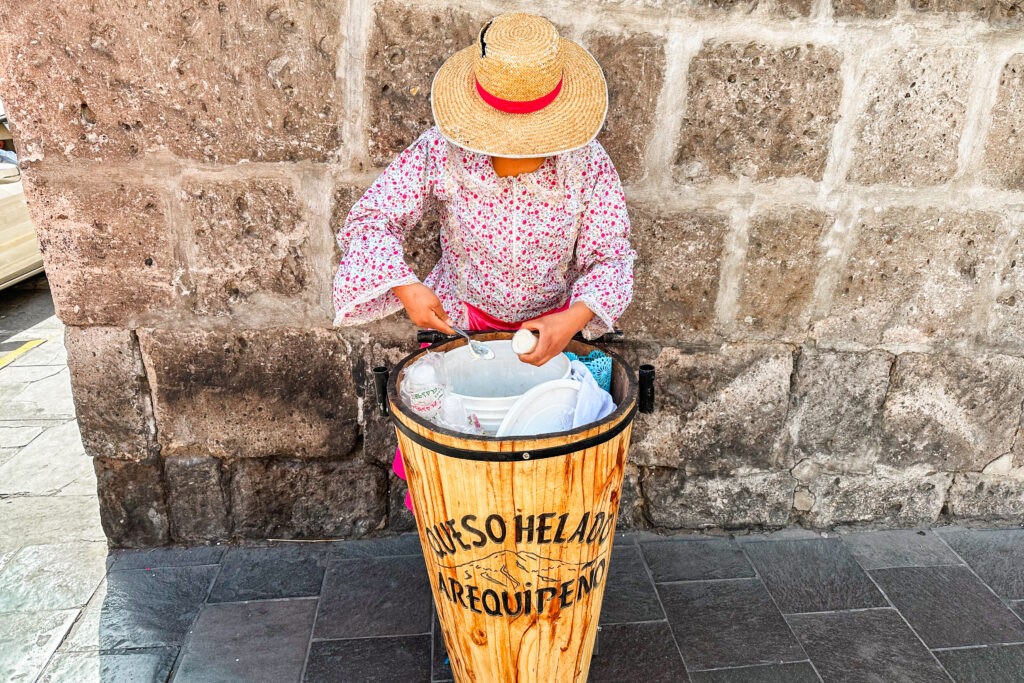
(515, 247)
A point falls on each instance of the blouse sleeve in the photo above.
(604, 257)
(372, 236)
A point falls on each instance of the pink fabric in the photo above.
(515, 246)
(399, 465)
(480, 320)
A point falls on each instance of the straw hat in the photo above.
(520, 91)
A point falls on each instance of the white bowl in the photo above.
(489, 388)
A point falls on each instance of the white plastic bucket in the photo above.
(489, 388)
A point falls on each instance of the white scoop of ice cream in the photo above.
(523, 341)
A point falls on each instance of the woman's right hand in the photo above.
(423, 307)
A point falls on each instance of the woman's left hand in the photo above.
(556, 330)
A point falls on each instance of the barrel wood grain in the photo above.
(487, 584)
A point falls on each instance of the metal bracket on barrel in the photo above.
(645, 400)
(380, 387)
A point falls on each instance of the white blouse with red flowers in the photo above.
(514, 247)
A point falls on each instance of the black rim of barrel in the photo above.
(626, 410)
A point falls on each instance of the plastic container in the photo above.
(489, 388)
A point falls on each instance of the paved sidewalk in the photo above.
(885, 606)
(929, 605)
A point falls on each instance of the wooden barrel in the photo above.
(517, 534)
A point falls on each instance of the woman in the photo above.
(534, 227)
(534, 230)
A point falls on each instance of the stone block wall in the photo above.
(827, 199)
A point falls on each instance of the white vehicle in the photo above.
(20, 257)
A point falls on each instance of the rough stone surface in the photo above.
(884, 497)
(916, 104)
(250, 240)
(114, 81)
(870, 9)
(680, 502)
(988, 497)
(400, 519)
(133, 502)
(759, 111)
(108, 250)
(836, 407)
(281, 498)
(784, 248)
(717, 413)
(631, 504)
(716, 9)
(251, 393)
(197, 500)
(953, 413)
(676, 274)
(790, 9)
(914, 275)
(407, 47)
(998, 12)
(1006, 315)
(634, 67)
(108, 384)
(1004, 146)
(829, 245)
(386, 348)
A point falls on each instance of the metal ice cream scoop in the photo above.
(478, 349)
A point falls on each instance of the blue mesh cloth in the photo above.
(600, 366)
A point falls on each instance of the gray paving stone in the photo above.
(949, 606)
(991, 664)
(36, 392)
(637, 652)
(399, 659)
(1018, 607)
(140, 608)
(629, 595)
(388, 546)
(865, 645)
(262, 573)
(374, 597)
(50, 353)
(6, 454)
(52, 577)
(167, 557)
(27, 641)
(38, 520)
(795, 672)
(16, 435)
(5, 556)
(727, 623)
(49, 465)
(780, 535)
(440, 667)
(116, 666)
(901, 548)
(996, 555)
(251, 641)
(696, 560)
(813, 575)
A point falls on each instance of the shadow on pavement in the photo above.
(22, 306)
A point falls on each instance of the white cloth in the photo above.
(593, 402)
